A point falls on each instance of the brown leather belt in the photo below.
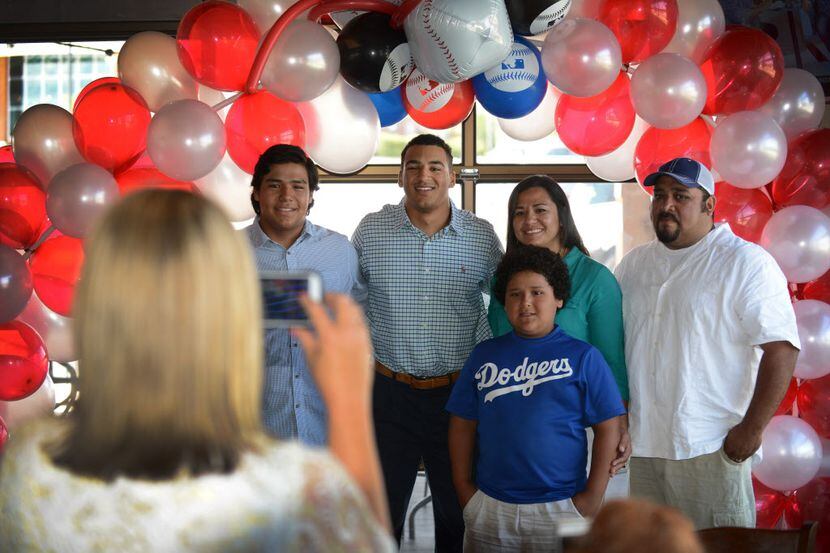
(414, 381)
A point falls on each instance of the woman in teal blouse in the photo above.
(539, 214)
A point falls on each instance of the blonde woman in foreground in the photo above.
(164, 451)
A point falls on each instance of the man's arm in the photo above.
(774, 374)
(462, 437)
(606, 438)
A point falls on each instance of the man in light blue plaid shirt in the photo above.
(426, 264)
(283, 239)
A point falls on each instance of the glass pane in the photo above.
(51, 64)
(85, 65)
(493, 146)
(34, 66)
(51, 92)
(611, 218)
(395, 137)
(340, 206)
(32, 93)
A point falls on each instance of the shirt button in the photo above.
(296, 406)
(426, 270)
(426, 298)
(296, 376)
(424, 325)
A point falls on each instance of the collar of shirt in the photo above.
(260, 239)
(456, 223)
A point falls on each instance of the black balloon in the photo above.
(366, 44)
(532, 17)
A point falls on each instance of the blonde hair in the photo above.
(169, 336)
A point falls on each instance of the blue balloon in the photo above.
(390, 106)
(516, 86)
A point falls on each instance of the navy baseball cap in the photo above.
(687, 172)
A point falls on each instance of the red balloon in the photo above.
(657, 146)
(786, 405)
(134, 179)
(812, 502)
(743, 69)
(6, 154)
(643, 27)
(110, 126)
(746, 210)
(455, 101)
(818, 289)
(22, 206)
(4, 434)
(805, 178)
(769, 505)
(814, 404)
(93, 84)
(217, 42)
(258, 121)
(56, 268)
(23, 361)
(599, 124)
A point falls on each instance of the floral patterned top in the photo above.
(286, 498)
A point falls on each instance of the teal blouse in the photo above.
(593, 313)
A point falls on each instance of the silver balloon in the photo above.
(668, 91)
(43, 141)
(581, 57)
(78, 196)
(303, 64)
(798, 104)
(699, 23)
(748, 149)
(186, 140)
(15, 283)
(230, 187)
(537, 124)
(148, 63)
(266, 12)
(618, 166)
(791, 452)
(798, 237)
(342, 128)
(39, 404)
(56, 330)
(813, 318)
(454, 40)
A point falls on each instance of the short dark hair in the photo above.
(428, 140)
(279, 154)
(568, 234)
(537, 260)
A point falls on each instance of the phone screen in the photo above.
(281, 298)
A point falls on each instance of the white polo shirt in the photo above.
(693, 320)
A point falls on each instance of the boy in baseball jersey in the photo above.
(528, 396)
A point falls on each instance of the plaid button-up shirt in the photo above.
(425, 304)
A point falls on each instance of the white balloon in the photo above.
(798, 237)
(56, 330)
(342, 128)
(699, 23)
(748, 149)
(230, 187)
(212, 97)
(537, 124)
(813, 318)
(798, 104)
(266, 12)
(618, 166)
(39, 404)
(668, 91)
(453, 40)
(791, 454)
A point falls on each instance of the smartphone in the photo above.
(281, 293)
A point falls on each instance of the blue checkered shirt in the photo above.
(425, 305)
(291, 404)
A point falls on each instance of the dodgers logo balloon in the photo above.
(533, 17)
(454, 40)
(514, 87)
(373, 56)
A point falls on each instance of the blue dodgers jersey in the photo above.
(533, 398)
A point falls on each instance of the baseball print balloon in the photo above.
(533, 17)
(373, 56)
(437, 105)
(453, 40)
(514, 87)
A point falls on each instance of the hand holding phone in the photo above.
(281, 292)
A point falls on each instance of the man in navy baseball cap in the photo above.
(682, 211)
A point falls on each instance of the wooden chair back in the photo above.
(759, 540)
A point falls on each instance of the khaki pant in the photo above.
(712, 490)
(494, 526)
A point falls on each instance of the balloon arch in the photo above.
(628, 84)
